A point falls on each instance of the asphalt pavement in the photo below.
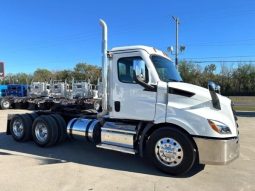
(78, 166)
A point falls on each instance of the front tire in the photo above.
(171, 151)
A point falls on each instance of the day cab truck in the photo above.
(146, 110)
(11, 92)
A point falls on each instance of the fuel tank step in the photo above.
(116, 148)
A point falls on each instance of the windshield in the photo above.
(166, 69)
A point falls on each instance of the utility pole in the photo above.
(177, 22)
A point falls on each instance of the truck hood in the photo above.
(193, 91)
(196, 102)
(188, 95)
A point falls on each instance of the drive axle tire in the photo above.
(21, 127)
(62, 133)
(5, 103)
(33, 116)
(45, 131)
(171, 151)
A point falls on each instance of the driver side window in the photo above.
(125, 69)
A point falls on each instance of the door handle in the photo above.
(117, 106)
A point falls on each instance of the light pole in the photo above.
(177, 22)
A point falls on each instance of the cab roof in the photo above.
(148, 49)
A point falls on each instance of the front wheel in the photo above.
(171, 151)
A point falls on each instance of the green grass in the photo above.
(246, 100)
(244, 108)
(243, 99)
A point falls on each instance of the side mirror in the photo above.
(213, 89)
(217, 89)
(212, 86)
(139, 70)
(140, 75)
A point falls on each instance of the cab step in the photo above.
(116, 148)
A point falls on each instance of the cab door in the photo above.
(130, 100)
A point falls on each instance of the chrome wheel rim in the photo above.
(169, 152)
(41, 132)
(18, 128)
(96, 106)
(6, 104)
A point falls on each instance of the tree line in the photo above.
(81, 71)
(238, 80)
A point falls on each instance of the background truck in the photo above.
(146, 110)
(3, 89)
(44, 96)
(39, 89)
(11, 92)
(17, 90)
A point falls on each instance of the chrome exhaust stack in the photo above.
(104, 70)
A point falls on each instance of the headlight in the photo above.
(219, 127)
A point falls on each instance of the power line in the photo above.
(222, 61)
(222, 45)
(218, 57)
(222, 42)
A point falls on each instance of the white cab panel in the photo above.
(135, 103)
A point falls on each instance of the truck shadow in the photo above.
(86, 154)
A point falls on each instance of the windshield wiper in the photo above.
(173, 80)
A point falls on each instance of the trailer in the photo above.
(147, 110)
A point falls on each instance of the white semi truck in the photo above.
(39, 89)
(81, 89)
(147, 110)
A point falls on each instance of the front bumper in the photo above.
(217, 151)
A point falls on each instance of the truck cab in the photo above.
(39, 89)
(80, 89)
(144, 77)
(17, 90)
(59, 89)
(3, 89)
(144, 85)
(127, 93)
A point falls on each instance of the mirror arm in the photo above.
(145, 85)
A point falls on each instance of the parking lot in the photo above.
(80, 166)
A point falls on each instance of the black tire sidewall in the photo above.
(51, 128)
(54, 129)
(33, 116)
(62, 134)
(27, 125)
(189, 154)
(16, 117)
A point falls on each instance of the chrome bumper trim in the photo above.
(217, 151)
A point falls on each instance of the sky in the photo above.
(58, 34)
